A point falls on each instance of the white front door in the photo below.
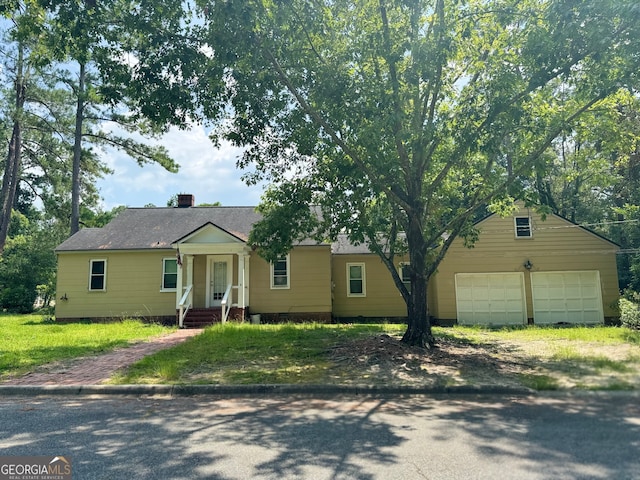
(219, 275)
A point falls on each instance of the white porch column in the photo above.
(179, 287)
(189, 269)
(241, 280)
(245, 289)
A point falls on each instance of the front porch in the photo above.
(212, 283)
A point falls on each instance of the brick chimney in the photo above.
(185, 200)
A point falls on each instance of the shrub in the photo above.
(629, 314)
(17, 299)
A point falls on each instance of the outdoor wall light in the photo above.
(64, 297)
(527, 265)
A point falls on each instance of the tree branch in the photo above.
(320, 121)
(481, 197)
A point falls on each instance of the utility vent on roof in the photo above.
(185, 200)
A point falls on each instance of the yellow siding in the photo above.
(556, 245)
(382, 297)
(310, 283)
(318, 280)
(133, 285)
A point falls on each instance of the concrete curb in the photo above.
(257, 390)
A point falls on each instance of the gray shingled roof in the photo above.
(158, 228)
(342, 246)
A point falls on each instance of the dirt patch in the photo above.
(384, 359)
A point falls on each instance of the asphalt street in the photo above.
(581, 436)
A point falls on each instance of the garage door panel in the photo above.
(481, 306)
(490, 298)
(572, 297)
(555, 294)
(465, 305)
(513, 304)
(591, 305)
(479, 295)
(575, 317)
(544, 305)
(590, 292)
(498, 318)
(575, 304)
(514, 294)
(575, 291)
(496, 294)
(546, 317)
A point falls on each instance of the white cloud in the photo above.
(207, 172)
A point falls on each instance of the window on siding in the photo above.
(356, 285)
(523, 227)
(97, 275)
(405, 275)
(169, 273)
(280, 272)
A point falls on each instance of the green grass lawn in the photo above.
(586, 357)
(249, 354)
(549, 357)
(28, 341)
(300, 353)
(596, 333)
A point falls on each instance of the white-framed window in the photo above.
(523, 227)
(97, 275)
(405, 275)
(169, 273)
(281, 272)
(356, 280)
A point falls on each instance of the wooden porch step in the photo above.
(202, 317)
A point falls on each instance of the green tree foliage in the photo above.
(98, 218)
(161, 64)
(25, 20)
(28, 264)
(59, 104)
(38, 163)
(594, 178)
(37, 168)
(79, 32)
(400, 119)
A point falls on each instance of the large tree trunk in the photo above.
(418, 331)
(77, 154)
(12, 164)
(10, 182)
(418, 322)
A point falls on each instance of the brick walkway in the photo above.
(95, 370)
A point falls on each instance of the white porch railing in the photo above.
(226, 306)
(186, 302)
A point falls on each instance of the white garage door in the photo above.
(490, 298)
(572, 297)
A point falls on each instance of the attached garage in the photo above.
(571, 297)
(527, 267)
(490, 298)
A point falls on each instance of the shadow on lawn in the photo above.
(47, 322)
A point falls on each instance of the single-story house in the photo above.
(193, 264)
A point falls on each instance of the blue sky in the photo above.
(207, 172)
